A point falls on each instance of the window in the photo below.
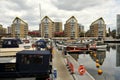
(32, 59)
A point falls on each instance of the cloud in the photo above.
(25, 9)
(77, 5)
(85, 11)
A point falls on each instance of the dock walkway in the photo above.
(58, 63)
(63, 72)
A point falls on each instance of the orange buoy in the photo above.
(91, 52)
(100, 71)
(95, 55)
(81, 70)
(97, 65)
(97, 60)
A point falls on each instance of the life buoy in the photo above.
(81, 70)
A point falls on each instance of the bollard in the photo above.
(55, 73)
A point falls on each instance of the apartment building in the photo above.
(19, 28)
(48, 28)
(71, 28)
(98, 28)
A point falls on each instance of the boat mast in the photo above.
(40, 19)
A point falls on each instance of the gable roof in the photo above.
(98, 20)
(71, 18)
(46, 17)
(19, 19)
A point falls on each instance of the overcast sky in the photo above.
(85, 11)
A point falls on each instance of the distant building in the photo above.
(3, 31)
(19, 28)
(81, 30)
(88, 33)
(118, 25)
(98, 28)
(58, 27)
(58, 32)
(71, 28)
(9, 30)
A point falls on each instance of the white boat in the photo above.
(99, 45)
(102, 46)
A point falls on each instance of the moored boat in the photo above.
(99, 45)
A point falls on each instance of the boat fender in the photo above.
(71, 68)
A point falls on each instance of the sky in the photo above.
(85, 11)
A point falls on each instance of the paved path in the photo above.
(58, 63)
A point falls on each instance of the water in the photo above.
(108, 60)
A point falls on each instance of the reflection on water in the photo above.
(114, 47)
(75, 56)
(98, 56)
(108, 61)
(118, 56)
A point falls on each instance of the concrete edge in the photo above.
(86, 71)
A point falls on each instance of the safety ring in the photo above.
(81, 70)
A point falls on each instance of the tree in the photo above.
(107, 35)
(59, 34)
(34, 34)
(82, 34)
(113, 33)
(109, 32)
